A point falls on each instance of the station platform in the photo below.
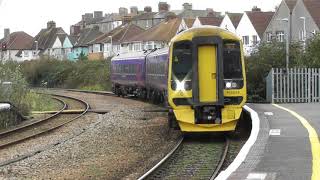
(287, 144)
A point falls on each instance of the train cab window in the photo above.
(232, 68)
(182, 61)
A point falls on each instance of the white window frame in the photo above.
(280, 36)
(245, 40)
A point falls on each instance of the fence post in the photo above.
(309, 85)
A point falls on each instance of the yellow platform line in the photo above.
(314, 140)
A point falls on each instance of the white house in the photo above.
(16, 46)
(251, 28)
(231, 21)
(210, 20)
(61, 47)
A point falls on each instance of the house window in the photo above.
(137, 47)
(26, 53)
(245, 40)
(254, 39)
(269, 36)
(130, 47)
(149, 45)
(280, 36)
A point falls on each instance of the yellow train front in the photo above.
(206, 80)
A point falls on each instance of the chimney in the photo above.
(210, 12)
(126, 19)
(87, 17)
(98, 14)
(75, 30)
(123, 11)
(187, 6)
(256, 9)
(134, 10)
(148, 9)
(163, 6)
(6, 33)
(51, 24)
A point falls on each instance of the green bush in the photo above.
(67, 74)
(15, 93)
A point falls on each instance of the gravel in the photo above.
(122, 144)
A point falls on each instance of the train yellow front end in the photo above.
(206, 80)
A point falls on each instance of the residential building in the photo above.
(231, 21)
(82, 46)
(304, 21)
(43, 42)
(252, 26)
(156, 37)
(110, 44)
(211, 20)
(16, 46)
(62, 47)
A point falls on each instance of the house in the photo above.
(231, 21)
(156, 37)
(82, 46)
(16, 46)
(185, 24)
(44, 41)
(62, 47)
(110, 43)
(277, 28)
(148, 19)
(304, 21)
(212, 21)
(252, 26)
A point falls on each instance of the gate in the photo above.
(295, 85)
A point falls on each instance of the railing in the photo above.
(295, 85)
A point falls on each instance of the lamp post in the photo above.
(287, 42)
(111, 44)
(304, 32)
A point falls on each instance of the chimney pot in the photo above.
(187, 6)
(163, 6)
(51, 24)
(147, 9)
(6, 33)
(98, 14)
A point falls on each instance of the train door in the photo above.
(207, 73)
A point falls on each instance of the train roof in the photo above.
(205, 31)
(131, 55)
(159, 52)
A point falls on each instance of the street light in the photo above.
(304, 32)
(287, 42)
(111, 44)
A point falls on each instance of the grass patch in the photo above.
(42, 102)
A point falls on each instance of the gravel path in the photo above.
(119, 145)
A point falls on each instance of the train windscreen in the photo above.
(182, 61)
(232, 68)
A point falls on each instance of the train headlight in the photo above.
(228, 85)
(180, 85)
(233, 83)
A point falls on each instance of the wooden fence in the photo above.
(295, 85)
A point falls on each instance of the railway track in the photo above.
(35, 128)
(191, 158)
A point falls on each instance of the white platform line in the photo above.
(246, 148)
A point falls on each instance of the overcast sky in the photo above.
(32, 15)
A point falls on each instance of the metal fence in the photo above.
(295, 85)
